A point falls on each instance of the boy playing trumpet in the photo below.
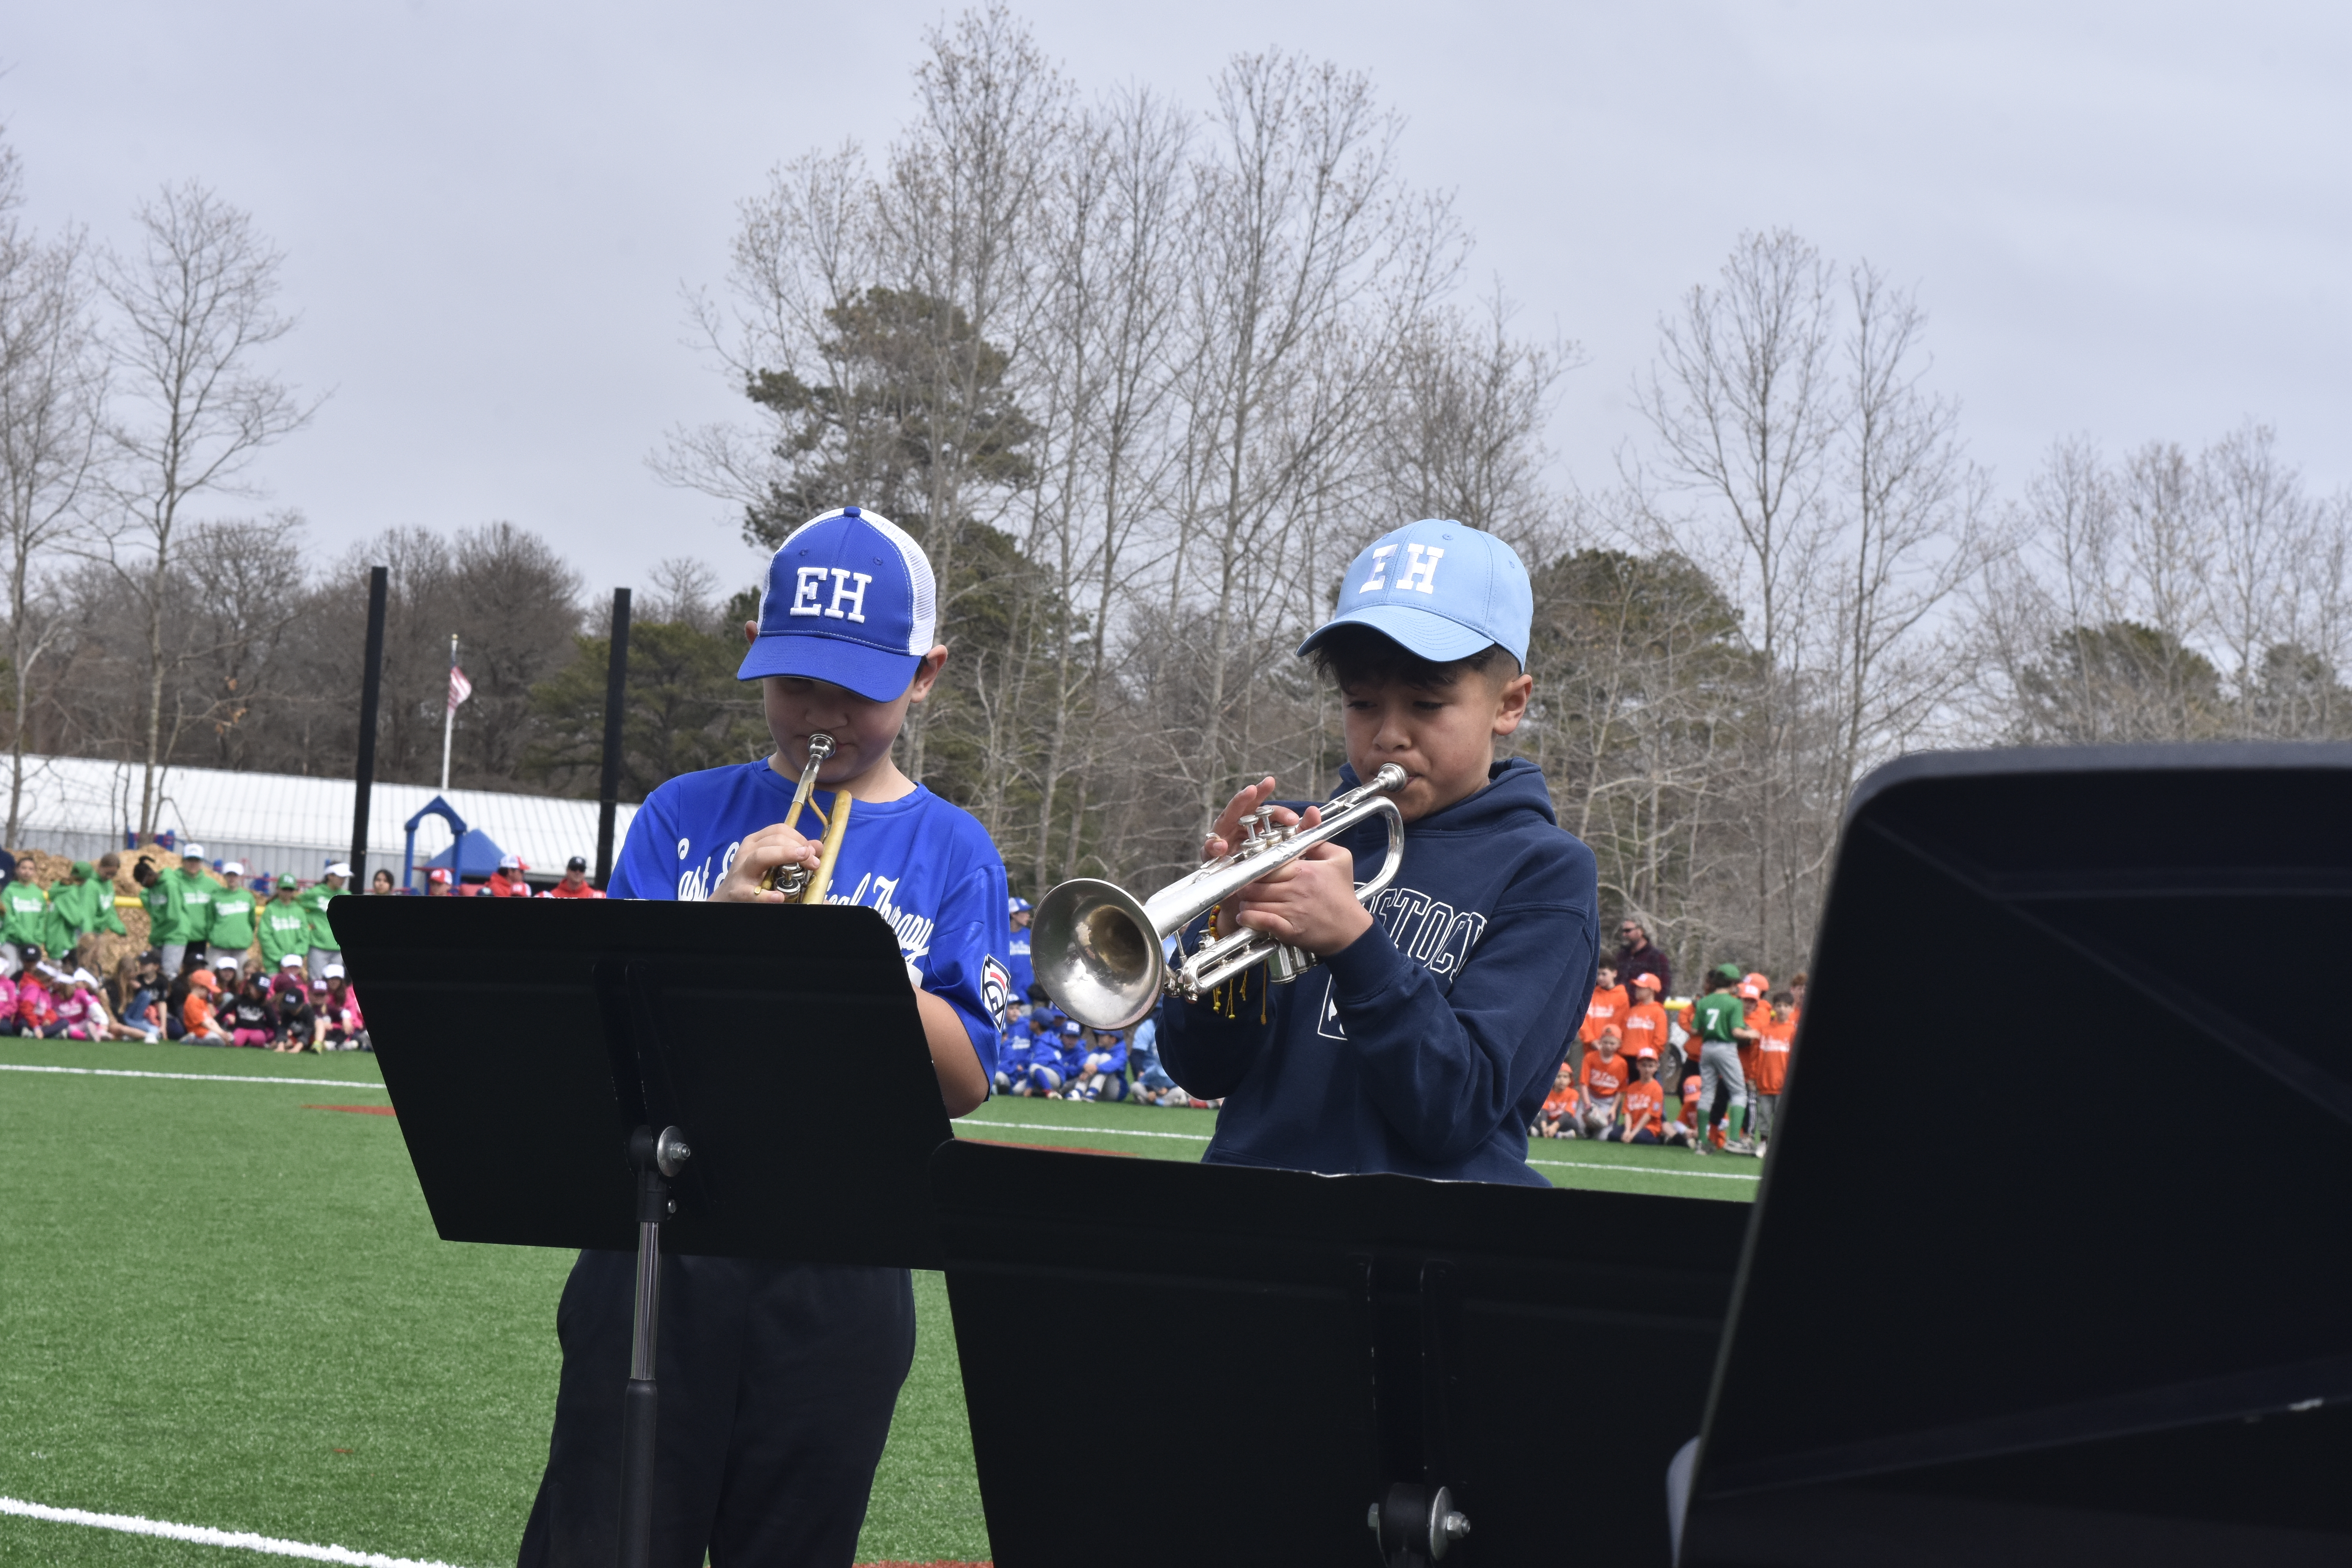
(1426, 1040)
(778, 1380)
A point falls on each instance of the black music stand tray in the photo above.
(2104, 1319)
(1286, 1368)
(615, 1074)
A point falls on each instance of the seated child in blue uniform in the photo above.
(1012, 1054)
(778, 1380)
(1426, 1039)
(1102, 1070)
(1054, 1060)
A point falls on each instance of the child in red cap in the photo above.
(1645, 1020)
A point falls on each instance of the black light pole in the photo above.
(616, 681)
(370, 698)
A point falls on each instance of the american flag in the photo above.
(459, 688)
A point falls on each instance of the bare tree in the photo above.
(195, 307)
(1744, 407)
(1313, 261)
(52, 395)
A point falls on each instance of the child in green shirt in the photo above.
(285, 925)
(1720, 1021)
(24, 915)
(229, 932)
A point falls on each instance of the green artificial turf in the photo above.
(220, 1307)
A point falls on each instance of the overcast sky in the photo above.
(2127, 220)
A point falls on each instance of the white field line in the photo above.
(1089, 1131)
(1646, 1169)
(1203, 1138)
(969, 1122)
(199, 1077)
(204, 1536)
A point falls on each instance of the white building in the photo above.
(81, 808)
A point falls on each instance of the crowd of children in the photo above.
(1048, 1055)
(1727, 1053)
(287, 1009)
(229, 963)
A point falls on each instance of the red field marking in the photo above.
(1009, 1143)
(357, 1110)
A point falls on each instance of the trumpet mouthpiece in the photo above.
(820, 747)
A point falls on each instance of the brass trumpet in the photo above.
(798, 882)
(1097, 948)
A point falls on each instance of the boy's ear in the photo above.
(750, 633)
(1511, 702)
(928, 673)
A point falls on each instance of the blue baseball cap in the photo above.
(849, 599)
(1440, 588)
(1019, 906)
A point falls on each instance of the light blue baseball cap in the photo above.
(1442, 589)
(849, 599)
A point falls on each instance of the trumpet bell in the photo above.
(1105, 967)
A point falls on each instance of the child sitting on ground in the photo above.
(1055, 1058)
(1102, 1072)
(252, 1020)
(1644, 1108)
(1558, 1117)
(1604, 1079)
(199, 1014)
(37, 1011)
(1012, 1053)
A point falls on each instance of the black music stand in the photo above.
(2104, 1319)
(611, 1074)
(1287, 1368)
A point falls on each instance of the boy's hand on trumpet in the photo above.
(1309, 903)
(760, 853)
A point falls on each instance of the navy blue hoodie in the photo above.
(1426, 1045)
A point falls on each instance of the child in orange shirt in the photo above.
(197, 1011)
(1604, 1079)
(1644, 1109)
(1645, 1020)
(1759, 1014)
(1684, 1129)
(1780, 1032)
(1608, 1006)
(1558, 1117)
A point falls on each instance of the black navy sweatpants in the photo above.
(777, 1384)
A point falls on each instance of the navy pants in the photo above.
(777, 1384)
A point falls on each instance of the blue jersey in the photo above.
(1013, 1055)
(925, 866)
(1024, 976)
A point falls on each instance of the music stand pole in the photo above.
(657, 1159)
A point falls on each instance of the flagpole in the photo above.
(449, 718)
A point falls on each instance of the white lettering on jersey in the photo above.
(805, 590)
(914, 931)
(841, 591)
(1380, 578)
(1421, 568)
(1423, 929)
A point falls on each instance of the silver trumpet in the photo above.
(1097, 948)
